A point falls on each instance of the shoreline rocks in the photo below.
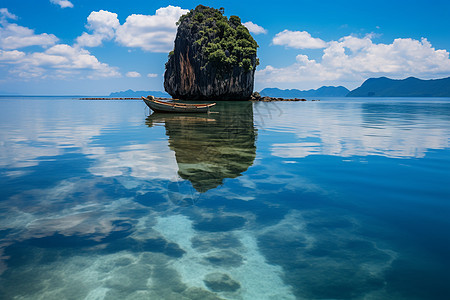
(261, 99)
(271, 99)
(257, 97)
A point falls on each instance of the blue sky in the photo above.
(85, 47)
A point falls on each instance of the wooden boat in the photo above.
(161, 106)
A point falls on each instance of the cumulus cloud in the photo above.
(133, 74)
(62, 61)
(58, 60)
(254, 28)
(154, 33)
(152, 75)
(103, 25)
(350, 60)
(62, 3)
(11, 56)
(303, 70)
(89, 40)
(298, 40)
(13, 36)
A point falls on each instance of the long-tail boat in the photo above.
(175, 107)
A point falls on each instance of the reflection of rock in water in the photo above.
(212, 147)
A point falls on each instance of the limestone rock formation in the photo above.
(214, 58)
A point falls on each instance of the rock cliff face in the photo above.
(214, 58)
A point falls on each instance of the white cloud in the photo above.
(90, 40)
(13, 36)
(5, 14)
(403, 56)
(298, 40)
(58, 61)
(154, 33)
(103, 25)
(103, 22)
(133, 74)
(62, 61)
(303, 71)
(152, 75)
(350, 60)
(254, 28)
(11, 56)
(62, 3)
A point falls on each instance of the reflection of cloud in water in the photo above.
(18, 155)
(355, 130)
(35, 128)
(143, 161)
(22, 148)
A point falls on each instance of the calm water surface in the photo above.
(337, 199)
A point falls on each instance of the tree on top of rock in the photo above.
(219, 41)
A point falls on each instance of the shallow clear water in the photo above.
(337, 199)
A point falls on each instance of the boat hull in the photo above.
(159, 106)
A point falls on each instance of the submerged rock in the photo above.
(195, 293)
(225, 258)
(220, 282)
(207, 241)
(214, 58)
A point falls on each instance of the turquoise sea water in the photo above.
(338, 199)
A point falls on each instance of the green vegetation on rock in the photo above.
(224, 43)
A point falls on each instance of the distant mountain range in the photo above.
(131, 93)
(409, 87)
(372, 87)
(325, 91)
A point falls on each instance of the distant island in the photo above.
(138, 94)
(325, 91)
(409, 87)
